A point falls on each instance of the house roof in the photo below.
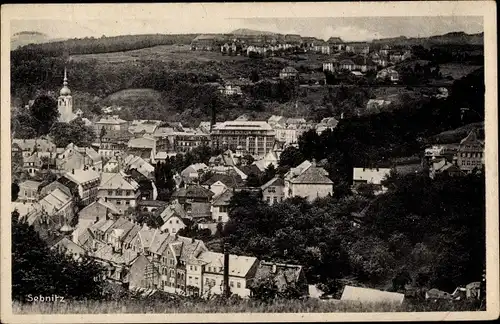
(200, 210)
(239, 266)
(54, 201)
(313, 175)
(372, 175)
(106, 253)
(111, 120)
(284, 274)
(230, 180)
(142, 142)
(174, 208)
(346, 62)
(146, 236)
(68, 245)
(370, 295)
(30, 144)
(152, 203)
(32, 159)
(195, 191)
(223, 198)
(188, 247)
(249, 169)
(118, 180)
(30, 184)
(160, 242)
(276, 181)
(335, 40)
(289, 69)
(80, 176)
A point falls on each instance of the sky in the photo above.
(349, 25)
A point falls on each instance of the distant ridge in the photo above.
(29, 37)
(452, 38)
(251, 32)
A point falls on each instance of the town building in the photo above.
(28, 190)
(241, 271)
(192, 173)
(83, 181)
(273, 191)
(187, 140)
(38, 145)
(98, 210)
(74, 157)
(255, 137)
(326, 123)
(289, 73)
(220, 206)
(144, 147)
(470, 154)
(142, 127)
(110, 124)
(32, 164)
(307, 181)
(113, 142)
(58, 206)
(373, 176)
(283, 275)
(388, 74)
(119, 189)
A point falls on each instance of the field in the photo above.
(456, 135)
(236, 306)
(164, 53)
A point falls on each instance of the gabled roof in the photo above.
(223, 198)
(30, 184)
(276, 182)
(470, 138)
(118, 180)
(142, 142)
(54, 201)
(313, 175)
(33, 159)
(283, 275)
(239, 266)
(80, 176)
(230, 180)
(200, 210)
(195, 191)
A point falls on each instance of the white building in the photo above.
(307, 181)
(65, 102)
(373, 176)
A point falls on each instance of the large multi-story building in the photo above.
(110, 123)
(186, 141)
(119, 189)
(255, 137)
(470, 153)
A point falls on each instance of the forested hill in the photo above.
(91, 45)
(454, 38)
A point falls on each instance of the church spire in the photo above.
(65, 82)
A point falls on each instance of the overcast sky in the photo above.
(346, 19)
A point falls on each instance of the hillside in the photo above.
(251, 32)
(454, 38)
(29, 37)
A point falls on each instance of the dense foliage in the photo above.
(435, 241)
(38, 270)
(74, 132)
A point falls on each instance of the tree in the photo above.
(253, 180)
(74, 132)
(14, 189)
(254, 76)
(44, 113)
(269, 173)
(38, 270)
(289, 158)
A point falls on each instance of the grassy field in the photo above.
(237, 306)
(164, 53)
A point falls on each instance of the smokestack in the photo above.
(226, 271)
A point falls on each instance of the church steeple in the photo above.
(65, 90)
(65, 82)
(65, 101)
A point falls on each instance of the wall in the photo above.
(311, 191)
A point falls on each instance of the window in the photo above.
(275, 200)
(127, 202)
(177, 221)
(174, 230)
(219, 218)
(118, 202)
(238, 285)
(190, 268)
(231, 283)
(268, 199)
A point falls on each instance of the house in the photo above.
(29, 146)
(28, 190)
(116, 264)
(112, 165)
(113, 142)
(274, 120)
(330, 66)
(110, 124)
(346, 65)
(74, 157)
(326, 123)
(143, 274)
(84, 181)
(193, 172)
(192, 193)
(43, 191)
(229, 90)
(140, 165)
(147, 187)
(228, 158)
(308, 181)
(373, 176)
(270, 158)
(69, 248)
(289, 73)
(173, 224)
(58, 207)
(368, 295)
(470, 154)
(150, 205)
(119, 189)
(144, 147)
(141, 127)
(219, 182)
(241, 271)
(441, 166)
(174, 208)
(198, 211)
(388, 74)
(164, 136)
(283, 276)
(273, 191)
(220, 206)
(376, 104)
(32, 164)
(98, 210)
(188, 139)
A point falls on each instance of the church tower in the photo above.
(65, 102)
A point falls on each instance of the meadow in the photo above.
(236, 306)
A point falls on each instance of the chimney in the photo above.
(225, 280)
(72, 171)
(96, 219)
(192, 240)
